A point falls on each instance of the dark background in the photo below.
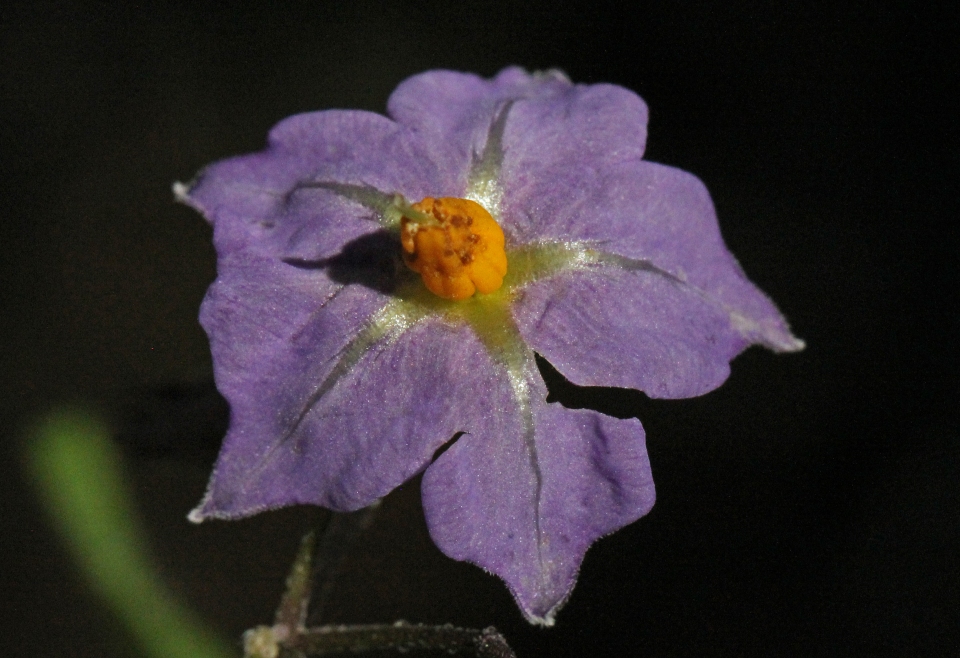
(809, 506)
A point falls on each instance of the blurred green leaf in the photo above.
(79, 474)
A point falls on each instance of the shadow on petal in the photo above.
(371, 260)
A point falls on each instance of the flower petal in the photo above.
(305, 429)
(294, 197)
(631, 329)
(585, 126)
(642, 211)
(527, 508)
(453, 112)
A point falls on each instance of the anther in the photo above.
(455, 246)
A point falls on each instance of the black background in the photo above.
(809, 506)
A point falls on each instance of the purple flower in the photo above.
(345, 375)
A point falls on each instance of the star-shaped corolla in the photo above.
(352, 345)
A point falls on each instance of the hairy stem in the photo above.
(319, 559)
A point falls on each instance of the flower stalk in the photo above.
(315, 568)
